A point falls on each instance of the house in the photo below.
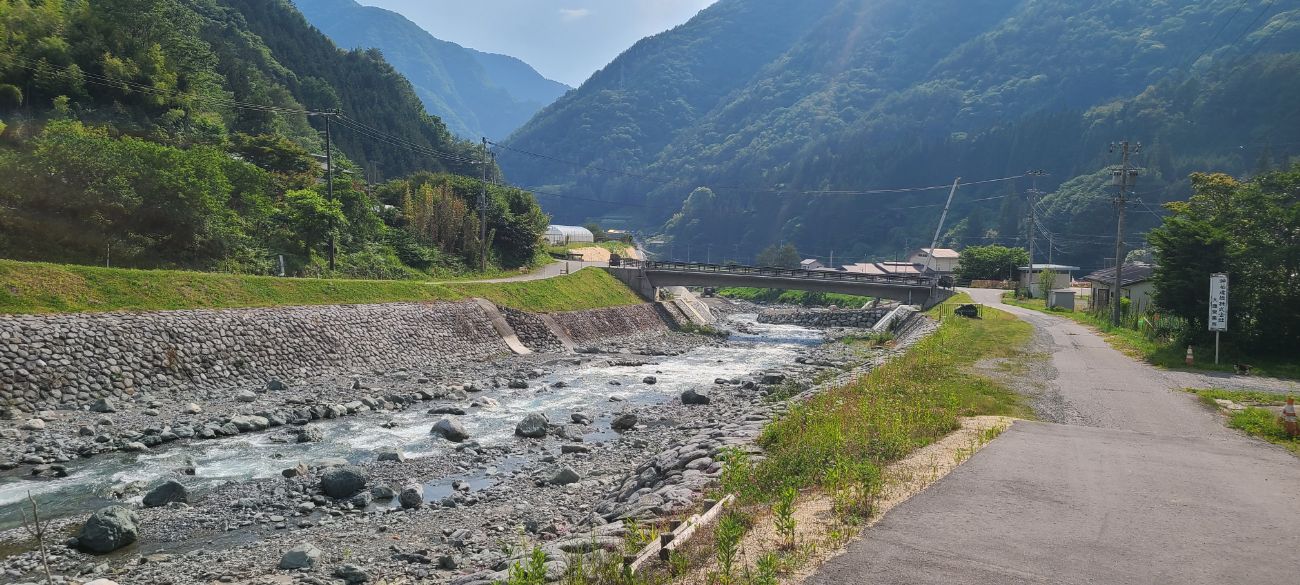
(810, 264)
(1135, 281)
(941, 260)
(559, 235)
(1031, 277)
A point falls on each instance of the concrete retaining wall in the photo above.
(70, 360)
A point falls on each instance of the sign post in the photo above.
(1218, 308)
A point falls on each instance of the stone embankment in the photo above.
(825, 318)
(72, 361)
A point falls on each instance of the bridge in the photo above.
(647, 276)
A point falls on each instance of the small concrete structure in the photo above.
(1061, 298)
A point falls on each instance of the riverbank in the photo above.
(476, 497)
(33, 287)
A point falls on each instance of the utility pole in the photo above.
(1124, 178)
(482, 212)
(329, 186)
(942, 218)
(1032, 196)
(832, 260)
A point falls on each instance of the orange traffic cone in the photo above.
(1189, 355)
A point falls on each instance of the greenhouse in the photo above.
(559, 235)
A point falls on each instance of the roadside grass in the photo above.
(612, 246)
(1256, 419)
(30, 287)
(1166, 354)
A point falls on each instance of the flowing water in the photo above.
(357, 438)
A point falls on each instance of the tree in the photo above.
(991, 262)
(779, 256)
(1249, 230)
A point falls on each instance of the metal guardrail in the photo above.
(828, 275)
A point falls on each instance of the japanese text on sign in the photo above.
(1218, 302)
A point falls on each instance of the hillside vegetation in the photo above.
(51, 288)
(187, 134)
(770, 103)
(474, 93)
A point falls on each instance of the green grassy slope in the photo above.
(27, 287)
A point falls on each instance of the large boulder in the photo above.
(623, 422)
(694, 396)
(450, 429)
(411, 497)
(104, 405)
(249, 423)
(390, 454)
(109, 529)
(165, 493)
(310, 434)
(303, 556)
(565, 476)
(342, 482)
(246, 396)
(533, 426)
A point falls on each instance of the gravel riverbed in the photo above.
(561, 448)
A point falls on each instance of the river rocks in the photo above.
(34, 424)
(411, 497)
(166, 493)
(342, 482)
(518, 384)
(246, 396)
(104, 405)
(303, 556)
(533, 426)
(623, 422)
(250, 423)
(109, 529)
(310, 434)
(575, 449)
(450, 429)
(564, 476)
(134, 447)
(773, 377)
(649, 380)
(191, 408)
(382, 492)
(352, 574)
(447, 410)
(295, 471)
(693, 396)
(275, 385)
(390, 454)
(580, 418)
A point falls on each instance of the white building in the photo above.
(941, 260)
(1031, 277)
(559, 235)
(810, 264)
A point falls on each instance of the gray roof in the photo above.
(1129, 274)
(1056, 267)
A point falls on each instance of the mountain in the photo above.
(186, 133)
(773, 104)
(475, 93)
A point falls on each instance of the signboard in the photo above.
(1218, 302)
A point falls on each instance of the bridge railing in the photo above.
(828, 275)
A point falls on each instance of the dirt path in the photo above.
(1140, 484)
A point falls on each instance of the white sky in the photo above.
(565, 40)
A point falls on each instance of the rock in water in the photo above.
(533, 426)
(303, 556)
(109, 529)
(580, 418)
(166, 493)
(694, 396)
(310, 434)
(411, 497)
(623, 422)
(650, 380)
(341, 482)
(450, 429)
(565, 476)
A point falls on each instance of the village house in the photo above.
(1136, 285)
(940, 260)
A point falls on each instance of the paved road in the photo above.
(557, 268)
(1137, 483)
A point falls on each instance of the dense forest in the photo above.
(189, 133)
(784, 111)
(474, 93)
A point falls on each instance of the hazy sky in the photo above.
(566, 40)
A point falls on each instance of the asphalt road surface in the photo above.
(1137, 482)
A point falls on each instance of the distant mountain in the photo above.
(766, 101)
(475, 93)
